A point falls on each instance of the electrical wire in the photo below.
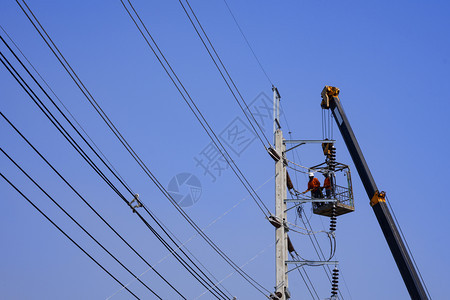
(248, 43)
(89, 205)
(36, 100)
(242, 266)
(66, 235)
(93, 165)
(122, 2)
(203, 229)
(216, 292)
(50, 116)
(61, 129)
(78, 224)
(309, 232)
(94, 103)
(407, 246)
(62, 103)
(310, 228)
(180, 244)
(243, 274)
(226, 71)
(195, 110)
(329, 131)
(317, 251)
(303, 278)
(297, 170)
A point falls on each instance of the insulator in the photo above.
(334, 285)
(331, 156)
(333, 219)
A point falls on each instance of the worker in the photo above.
(327, 185)
(314, 187)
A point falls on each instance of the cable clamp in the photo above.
(138, 203)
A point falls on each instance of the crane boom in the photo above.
(330, 100)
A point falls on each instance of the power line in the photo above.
(242, 266)
(78, 224)
(166, 71)
(219, 56)
(197, 260)
(226, 71)
(61, 129)
(212, 287)
(197, 113)
(242, 273)
(62, 103)
(17, 76)
(248, 43)
(265, 73)
(320, 249)
(303, 278)
(87, 203)
(220, 252)
(183, 244)
(67, 236)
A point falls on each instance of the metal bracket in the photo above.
(303, 142)
(301, 263)
(137, 205)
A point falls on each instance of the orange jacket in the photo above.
(313, 184)
(327, 183)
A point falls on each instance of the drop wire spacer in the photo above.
(138, 203)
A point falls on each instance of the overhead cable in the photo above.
(62, 103)
(78, 224)
(206, 126)
(69, 138)
(206, 227)
(90, 207)
(248, 43)
(294, 154)
(194, 108)
(303, 278)
(131, 150)
(87, 94)
(245, 110)
(67, 236)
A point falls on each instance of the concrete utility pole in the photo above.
(281, 238)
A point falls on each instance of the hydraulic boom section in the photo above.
(330, 100)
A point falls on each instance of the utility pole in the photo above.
(281, 238)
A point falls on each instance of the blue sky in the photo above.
(390, 61)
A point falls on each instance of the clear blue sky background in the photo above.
(390, 60)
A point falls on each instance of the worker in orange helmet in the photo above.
(314, 187)
(327, 184)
